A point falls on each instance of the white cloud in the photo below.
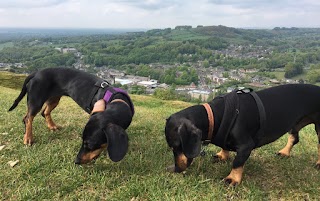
(29, 3)
(158, 14)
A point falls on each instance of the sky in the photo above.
(153, 14)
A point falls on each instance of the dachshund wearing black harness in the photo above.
(111, 109)
(248, 121)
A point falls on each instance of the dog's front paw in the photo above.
(28, 141)
(235, 176)
(54, 127)
(283, 154)
(317, 166)
(231, 182)
(223, 155)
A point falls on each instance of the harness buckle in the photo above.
(104, 84)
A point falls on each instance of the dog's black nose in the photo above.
(77, 161)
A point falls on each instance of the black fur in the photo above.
(107, 127)
(288, 109)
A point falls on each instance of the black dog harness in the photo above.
(231, 112)
(108, 92)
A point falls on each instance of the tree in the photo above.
(206, 63)
(313, 76)
(165, 94)
(292, 69)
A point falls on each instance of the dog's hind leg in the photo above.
(28, 119)
(50, 104)
(294, 136)
(292, 140)
(28, 138)
(34, 104)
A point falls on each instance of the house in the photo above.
(148, 84)
(274, 81)
(123, 81)
(199, 94)
(69, 50)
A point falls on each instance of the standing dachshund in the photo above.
(258, 120)
(111, 109)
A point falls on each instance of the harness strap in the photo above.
(108, 91)
(210, 119)
(98, 85)
(231, 112)
(112, 91)
(262, 113)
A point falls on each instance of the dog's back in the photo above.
(285, 105)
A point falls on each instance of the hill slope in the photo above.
(46, 170)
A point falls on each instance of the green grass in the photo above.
(47, 171)
(11, 80)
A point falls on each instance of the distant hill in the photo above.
(227, 33)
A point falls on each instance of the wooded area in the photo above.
(293, 49)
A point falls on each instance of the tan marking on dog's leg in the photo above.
(223, 155)
(28, 138)
(50, 105)
(99, 106)
(287, 149)
(235, 176)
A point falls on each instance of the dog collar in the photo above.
(120, 100)
(210, 119)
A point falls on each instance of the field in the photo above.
(46, 170)
(6, 44)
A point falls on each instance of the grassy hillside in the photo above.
(46, 170)
(11, 80)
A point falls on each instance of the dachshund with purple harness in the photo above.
(111, 109)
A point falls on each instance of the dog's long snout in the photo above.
(77, 160)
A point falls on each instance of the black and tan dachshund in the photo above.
(285, 108)
(111, 109)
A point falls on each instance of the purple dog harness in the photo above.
(112, 91)
(106, 88)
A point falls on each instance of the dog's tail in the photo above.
(23, 91)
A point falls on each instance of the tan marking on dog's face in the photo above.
(181, 162)
(235, 176)
(89, 156)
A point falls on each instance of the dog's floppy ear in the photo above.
(117, 142)
(190, 137)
